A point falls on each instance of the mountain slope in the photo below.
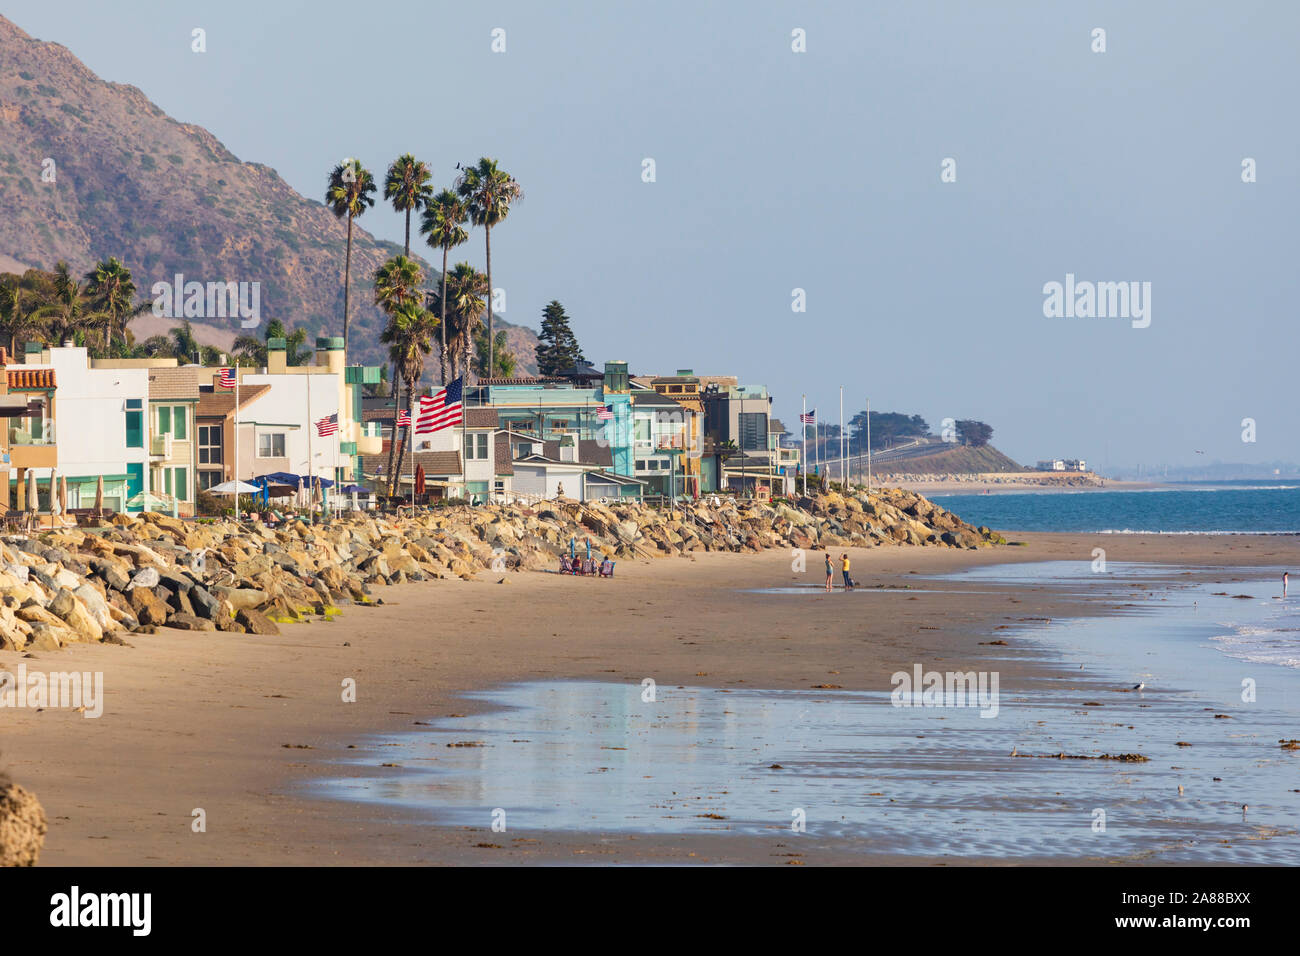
(168, 198)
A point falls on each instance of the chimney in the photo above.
(329, 353)
(276, 359)
(569, 449)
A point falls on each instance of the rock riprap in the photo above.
(141, 572)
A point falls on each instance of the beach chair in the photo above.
(566, 566)
(607, 568)
(589, 566)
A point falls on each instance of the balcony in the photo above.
(28, 432)
(160, 446)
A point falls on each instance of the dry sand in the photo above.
(202, 720)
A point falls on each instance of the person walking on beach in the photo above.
(848, 581)
(830, 572)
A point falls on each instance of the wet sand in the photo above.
(239, 725)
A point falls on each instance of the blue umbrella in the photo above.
(572, 546)
(588, 549)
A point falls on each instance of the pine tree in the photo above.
(558, 349)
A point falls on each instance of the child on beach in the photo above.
(830, 571)
(848, 581)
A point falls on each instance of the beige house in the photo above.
(173, 439)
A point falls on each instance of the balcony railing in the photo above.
(29, 434)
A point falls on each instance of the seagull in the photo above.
(1015, 750)
(1139, 686)
(1180, 789)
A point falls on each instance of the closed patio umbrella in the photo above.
(31, 489)
(63, 493)
(419, 479)
(99, 493)
(55, 504)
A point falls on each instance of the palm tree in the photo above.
(409, 337)
(65, 309)
(443, 226)
(463, 304)
(407, 186)
(155, 346)
(184, 345)
(349, 194)
(397, 283)
(250, 350)
(489, 192)
(110, 288)
(17, 312)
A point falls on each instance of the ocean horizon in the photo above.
(1269, 506)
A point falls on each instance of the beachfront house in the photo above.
(27, 406)
(109, 407)
(740, 450)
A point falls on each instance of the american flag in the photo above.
(404, 418)
(227, 379)
(604, 413)
(809, 418)
(328, 426)
(441, 410)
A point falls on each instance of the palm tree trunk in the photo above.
(408, 232)
(487, 233)
(392, 441)
(347, 281)
(442, 319)
(406, 440)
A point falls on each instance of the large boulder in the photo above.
(255, 622)
(68, 608)
(22, 826)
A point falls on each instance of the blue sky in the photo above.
(820, 170)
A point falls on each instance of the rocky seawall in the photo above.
(141, 572)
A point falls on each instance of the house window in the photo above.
(270, 445)
(209, 445)
(476, 446)
(209, 478)
(675, 389)
(134, 423)
(172, 420)
(176, 482)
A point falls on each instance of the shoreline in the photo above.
(223, 722)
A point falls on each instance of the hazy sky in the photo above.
(820, 170)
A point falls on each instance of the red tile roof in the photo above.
(42, 378)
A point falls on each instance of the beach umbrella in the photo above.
(354, 497)
(54, 492)
(231, 488)
(573, 546)
(99, 493)
(31, 489)
(588, 549)
(63, 493)
(419, 479)
(302, 491)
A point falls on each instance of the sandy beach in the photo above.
(238, 726)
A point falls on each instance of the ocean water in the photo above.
(1204, 508)
(863, 774)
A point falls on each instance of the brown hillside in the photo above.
(167, 198)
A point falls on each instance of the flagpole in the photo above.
(843, 463)
(803, 427)
(311, 471)
(868, 446)
(236, 370)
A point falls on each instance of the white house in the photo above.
(277, 430)
(102, 430)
